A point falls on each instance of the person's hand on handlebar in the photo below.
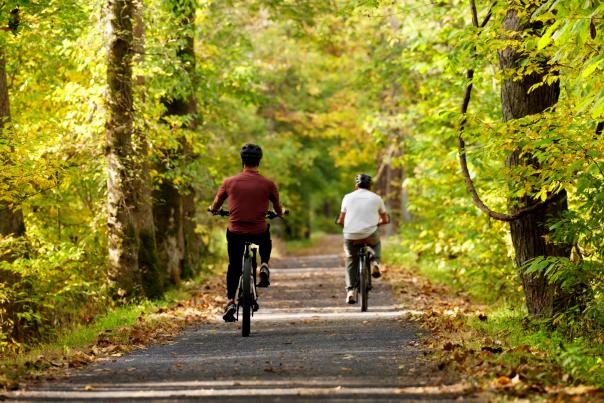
(384, 219)
(273, 214)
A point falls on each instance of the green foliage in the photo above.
(52, 285)
(328, 89)
(579, 358)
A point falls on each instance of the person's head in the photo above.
(251, 154)
(363, 181)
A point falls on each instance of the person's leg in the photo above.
(265, 245)
(377, 246)
(377, 249)
(352, 262)
(235, 250)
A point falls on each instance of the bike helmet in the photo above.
(363, 180)
(251, 151)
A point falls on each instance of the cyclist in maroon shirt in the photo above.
(248, 195)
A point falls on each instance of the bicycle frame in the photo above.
(249, 252)
(366, 253)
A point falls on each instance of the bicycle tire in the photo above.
(246, 294)
(363, 282)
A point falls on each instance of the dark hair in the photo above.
(363, 181)
(250, 161)
(251, 154)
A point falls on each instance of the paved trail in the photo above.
(306, 344)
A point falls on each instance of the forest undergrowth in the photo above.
(485, 335)
(117, 331)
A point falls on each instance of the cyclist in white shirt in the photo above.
(362, 211)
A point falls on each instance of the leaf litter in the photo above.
(159, 327)
(490, 368)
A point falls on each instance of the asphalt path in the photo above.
(306, 344)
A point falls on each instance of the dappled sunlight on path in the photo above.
(306, 343)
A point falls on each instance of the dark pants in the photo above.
(236, 246)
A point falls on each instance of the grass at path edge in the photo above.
(124, 328)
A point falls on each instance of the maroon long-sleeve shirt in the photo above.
(248, 195)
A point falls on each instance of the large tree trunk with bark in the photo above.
(529, 232)
(148, 258)
(121, 171)
(174, 206)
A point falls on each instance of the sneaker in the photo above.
(264, 276)
(229, 312)
(351, 297)
(375, 269)
(255, 306)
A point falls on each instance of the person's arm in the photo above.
(274, 198)
(342, 216)
(221, 196)
(384, 217)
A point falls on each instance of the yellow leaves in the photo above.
(591, 65)
(546, 39)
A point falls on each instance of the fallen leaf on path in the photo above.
(502, 381)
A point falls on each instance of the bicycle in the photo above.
(366, 254)
(246, 294)
(363, 286)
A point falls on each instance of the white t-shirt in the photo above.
(362, 208)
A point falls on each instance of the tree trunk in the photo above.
(11, 223)
(178, 242)
(529, 233)
(167, 211)
(121, 171)
(405, 215)
(11, 220)
(148, 258)
(389, 183)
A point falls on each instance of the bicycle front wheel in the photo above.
(246, 297)
(363, 282)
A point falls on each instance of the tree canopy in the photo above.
(329, 89)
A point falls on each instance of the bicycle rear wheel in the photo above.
(363, 282)
(246, 296)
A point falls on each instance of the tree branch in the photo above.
(385, 161)
(461, 146)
